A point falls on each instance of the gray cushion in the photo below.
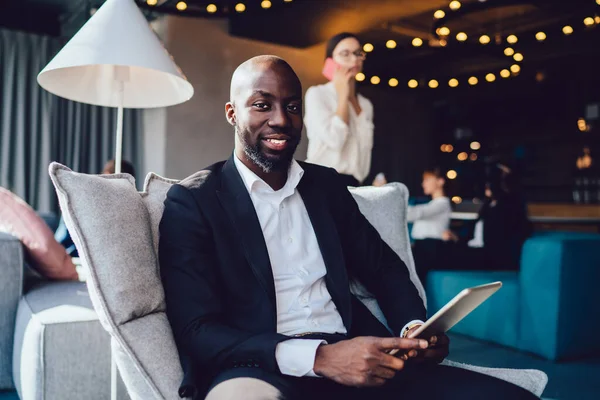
(132, 307)
(60, 348)
(111, 226)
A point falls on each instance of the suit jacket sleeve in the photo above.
(374, 263)
(193, 293)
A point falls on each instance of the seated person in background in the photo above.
(256, 253)
(430, 221)
(380, 180)
(494, 241)
(61, 234)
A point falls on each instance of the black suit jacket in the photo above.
(218, 280)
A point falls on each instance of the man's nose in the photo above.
(279, 118)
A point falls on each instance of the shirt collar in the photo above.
(254, 183)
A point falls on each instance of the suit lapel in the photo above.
(329, 244)
(235, 199)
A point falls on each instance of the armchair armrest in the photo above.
(11, 289)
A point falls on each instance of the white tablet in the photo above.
(455, 310)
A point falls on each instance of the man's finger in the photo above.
(386, 344)
(383, 372)
(391, 362)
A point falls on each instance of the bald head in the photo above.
(245, 76)
(265, 108)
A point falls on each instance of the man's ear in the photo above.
(230, 113)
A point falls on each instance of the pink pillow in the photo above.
(20, 220)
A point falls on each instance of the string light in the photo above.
(473, 81)
(443, 31)
(512, 39)
(473, 157)
(461, 36)
(240, 7)
(393, 82)
(484, 39)
(413, 83)
(151, 2)
(375, 80)
(505, 73)
(360, 77)
(567, 30)
(456, 199)
(447, 148)
(462, 156)
(518, 57)
(368, 47)
(455, 5)
(453, 82)
(490, 77)
(597, 19)
(509, 51)
(211, 8)
(433, 84)
(540, 36)
(181, 6)
(417, 42)
(515, 68)
(390, 44)
(475, 146)
(439, 14)
(451, 174)
(265, 4)
(589, 21)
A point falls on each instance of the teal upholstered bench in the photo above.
(540, 308)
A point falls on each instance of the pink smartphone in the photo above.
(329, 68)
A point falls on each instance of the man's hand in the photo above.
(363, 361)
(437, 350)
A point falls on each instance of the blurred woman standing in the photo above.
(339, 121)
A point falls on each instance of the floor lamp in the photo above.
(116, 60)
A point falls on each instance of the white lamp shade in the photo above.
(116, 45)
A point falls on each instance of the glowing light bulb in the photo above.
(509, 51)
(490, 77)
(451, 174)
(417, 42)
(475, 146)
(443, 31)
(512, 39)
(589, 21)
(390, 44)
(518, 57)
(266, 4)
(567, 30)
(240, 7)
(368, 47)
(375, 80)
(455, 5)
(473, 81)
(515, 68)
(540, 36)
(360, 77)
(413, 83)
(484, 39)
(181, 6)
(439, 14)
(433, 84)
(393, 82)
(211, 8)
(151, 2)
(453, 82)
(461, 36)
(505, 73)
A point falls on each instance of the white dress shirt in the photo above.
(431, 220)
(303, 301)
(331, 142)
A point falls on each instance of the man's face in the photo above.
(267, 115)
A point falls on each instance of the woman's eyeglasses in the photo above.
(346, 54)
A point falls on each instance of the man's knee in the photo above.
(244, 388)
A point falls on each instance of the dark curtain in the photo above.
(37, 127)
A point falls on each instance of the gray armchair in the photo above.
(124, 280)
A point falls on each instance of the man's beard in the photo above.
(280, 162)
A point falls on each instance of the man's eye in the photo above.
(260, 105)
(294, 108)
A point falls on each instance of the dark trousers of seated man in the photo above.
(416, 380)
